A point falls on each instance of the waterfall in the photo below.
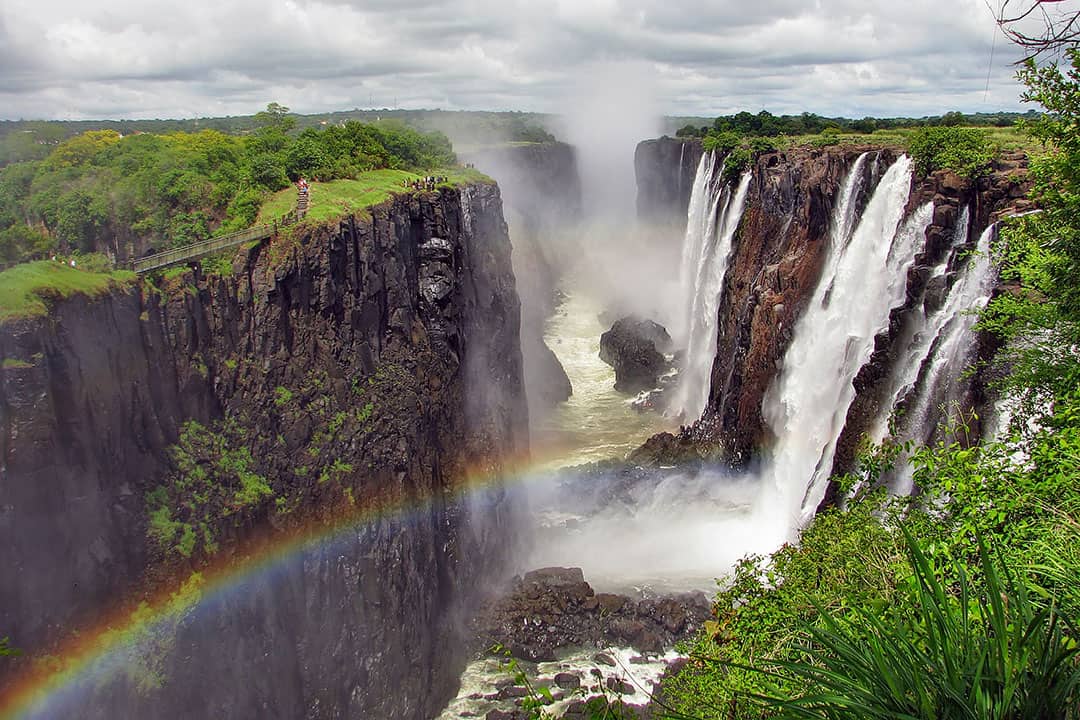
(863, 278)
(678, 178)
(948, 352)
(712, 219)
(917, 339)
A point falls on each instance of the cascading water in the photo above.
(712, 219)
(678, 177)
(864, 278)
(917, 339)
(948, 351)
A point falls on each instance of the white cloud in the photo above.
(149, 58)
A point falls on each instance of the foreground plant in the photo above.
(979, 650)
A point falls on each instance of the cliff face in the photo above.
(541, 190)
(377, 359)
(774, 268)
(665, 170)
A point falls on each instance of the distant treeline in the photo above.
(99, 189)
(765, 124)
(22, 140)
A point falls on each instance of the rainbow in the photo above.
(111, 646)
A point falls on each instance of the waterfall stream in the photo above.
(712, 219)
(933, 390)
(863, 279)
(644, 531)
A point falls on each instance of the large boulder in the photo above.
(634, 347)
(552, 609)
(546, 381)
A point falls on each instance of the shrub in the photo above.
(957, 650)
(213, 478)
(282, 396)
(966, 151)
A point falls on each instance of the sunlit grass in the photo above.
(338, 198)
(25, 290)
(1006, 139)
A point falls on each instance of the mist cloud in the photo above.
(64, 59)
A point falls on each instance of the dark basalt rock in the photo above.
(548, 384)
(774, 267)
(407, 309)
(665, 170)
(554, 608)
(634, 348)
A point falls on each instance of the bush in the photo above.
(212, 479)
(957, 649)
(966, 151)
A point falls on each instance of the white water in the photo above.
(681, 529)
(712, 219)
(863, 279)
(596, 423)
(673, 530)
(948, 351)
(917, 340)
(479, 682)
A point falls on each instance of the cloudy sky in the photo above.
(152, 58)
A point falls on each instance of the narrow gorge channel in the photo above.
(821, 294)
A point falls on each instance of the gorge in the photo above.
(386, 384)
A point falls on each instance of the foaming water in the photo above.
(482, 679)
(712, 219)
(651, 531)
(948, 351)
(596, 423)
(918, 338)
(681, 529)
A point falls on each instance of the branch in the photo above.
(1060, 31)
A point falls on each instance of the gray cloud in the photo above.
(149, 58)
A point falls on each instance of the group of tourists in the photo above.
(425, 183)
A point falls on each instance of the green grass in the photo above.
(27, 289)
(335, 199)
(1007, 138)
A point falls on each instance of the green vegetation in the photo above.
(331, 200)
(22, 140)
(282, 396)
(962, 602)
(26, 290)
(180, 187)
(934, 143)
(966, 651)
(212, 479)
(966, 151)
(765, 124)
(6, 650)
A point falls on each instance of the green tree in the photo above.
(275, 116)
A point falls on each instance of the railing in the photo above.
(194, 251)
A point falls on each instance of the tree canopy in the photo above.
(156, 190)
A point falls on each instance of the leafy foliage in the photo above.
(6, 649)
(98, 188)
(965, 151)
(213, 479)
(962, 651)
(738, 152)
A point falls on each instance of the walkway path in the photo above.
(200, 249)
